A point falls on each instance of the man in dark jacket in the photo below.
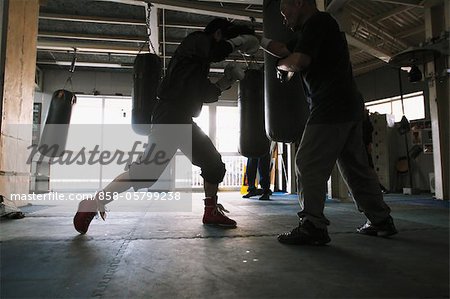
(181, 94)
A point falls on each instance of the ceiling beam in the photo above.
(86, 64)
(207, 9)
(336, 10)
(376, 30)
(129, 2)
(99, 48)
(185, 26)
(97, 53)
(248, 2)
(390, 13)
(90, 19)
(365, 67)
(258, 29)
(88, 47)
(414, 3)
(412, 31)
(372, 50)
(336, 5)
(198, 8)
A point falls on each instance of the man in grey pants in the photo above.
(333, 132)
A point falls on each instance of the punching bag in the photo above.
(54, 136)
(146, 77)
(253, 141)
(285, 104)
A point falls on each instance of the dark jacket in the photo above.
(186, 81)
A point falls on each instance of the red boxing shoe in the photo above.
(87, 210)
(215, 214)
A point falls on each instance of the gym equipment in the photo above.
(285, 104)
(146, 78)
(253, 141)
(246, 44)
(232, 73)
(54, 137)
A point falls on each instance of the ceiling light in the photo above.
(406, 68)
(415, 75)
(90, 64)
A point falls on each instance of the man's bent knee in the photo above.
(215, 174)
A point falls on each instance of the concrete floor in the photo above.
(172, 255)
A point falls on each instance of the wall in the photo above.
(378, 84)
(384, 83)
(85, 82)
(106, 83)
(88, 82)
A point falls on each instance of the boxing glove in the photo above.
(232, 73)
(283, 76)
(265, 43)
(247, 44)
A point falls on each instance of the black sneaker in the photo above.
(305, 234)
(253, 192)
(384, 229)
(266, 195)
(250, 193)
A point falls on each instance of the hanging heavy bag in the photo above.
(285, 104)
(253, 141)
(54, 137)
(146, 78)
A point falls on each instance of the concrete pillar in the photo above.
(3, 26)
(18, 92)
(291, 173)
(437, 20)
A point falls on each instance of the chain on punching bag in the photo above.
(146, 77)
(286, 107)
(253, 141)
(54, 137)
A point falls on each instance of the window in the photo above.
(227, 129)
(227, 140)
(106, 112)
(102, 117)
(203, 120)
(414, 105)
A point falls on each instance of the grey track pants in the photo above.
(323, 145)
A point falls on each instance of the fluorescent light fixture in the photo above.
(406, 68)
(88, 47)
(90, 64)
(216, 70)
